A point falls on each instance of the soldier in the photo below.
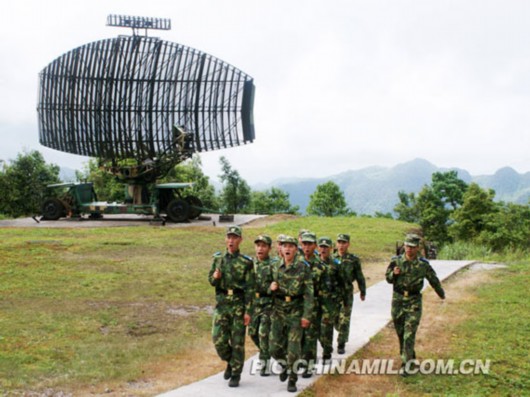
(292, 308)
(406, 273)
(350, 269)
(232, 275)
(331, 297)
(279, 242)
(260, 326)
(312, 333)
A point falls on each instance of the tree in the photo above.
(433, 206)
(508, 229)
(272, 201)
(235, 196)
(406, 209)
(328, 200)
(433, 215)
(191, 171)
(23, 184)
(449, 188)
(475, 215)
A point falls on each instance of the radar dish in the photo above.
(121, 98)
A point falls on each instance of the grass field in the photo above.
(84, 308)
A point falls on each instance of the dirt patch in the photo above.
(437, 330)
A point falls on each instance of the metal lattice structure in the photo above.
(119, 98)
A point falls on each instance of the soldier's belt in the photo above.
(262, 295)
(288, 298)
(230, 292)
(407, 294)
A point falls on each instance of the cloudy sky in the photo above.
(340, 84)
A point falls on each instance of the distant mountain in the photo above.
(373, 189)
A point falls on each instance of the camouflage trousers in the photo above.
(260, 328)
(286, 337)
(406, 314)
(311, 335)
(228, 333)
(330, 316)
(342, 323)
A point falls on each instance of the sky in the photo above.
(340, 84)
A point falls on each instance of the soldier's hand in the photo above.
(305, 323)
(217, 274)
(246, 319)
(397, 270)
(363, 297)
(274, 286)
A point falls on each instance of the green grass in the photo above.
(498, 330)
(84, 306)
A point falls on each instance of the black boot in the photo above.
(291, 386)
(340, 348)
(264, 371)
(234, 381)
(283, 374)
(228, 372)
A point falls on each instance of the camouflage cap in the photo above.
(234, 229)
(324, 242)
(290, 240)
(303, 231)
(309, 238)
(343, 237)
(264, 238)
(280, 238)
(412, 240)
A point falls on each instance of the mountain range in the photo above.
(375, 189)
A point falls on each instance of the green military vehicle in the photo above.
(77, 199)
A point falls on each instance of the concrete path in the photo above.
(368, 318)
(126, 220)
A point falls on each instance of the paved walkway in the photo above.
(368, 318)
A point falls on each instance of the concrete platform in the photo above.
(126, 220)
(368, 318)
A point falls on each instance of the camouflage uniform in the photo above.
(233, 295)
(311, 334)
(331, 298)
(406, 299)
(260, 325)
(350, 270)
(292, 301)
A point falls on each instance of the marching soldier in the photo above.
(232, 275)
(292, 309)
(260, 325)
(407, 273)
(312, 333)
(331, 297)
(350, 269)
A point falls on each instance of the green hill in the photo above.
(376, 188)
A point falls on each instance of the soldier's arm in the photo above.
(433, 280)
(216, 264)
(307, 282)
(359, 276)
(250, 288)
(389, 274)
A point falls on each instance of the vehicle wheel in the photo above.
(178, 210)
(194, 202)
(52, 209)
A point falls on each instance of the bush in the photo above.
(464, 250)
